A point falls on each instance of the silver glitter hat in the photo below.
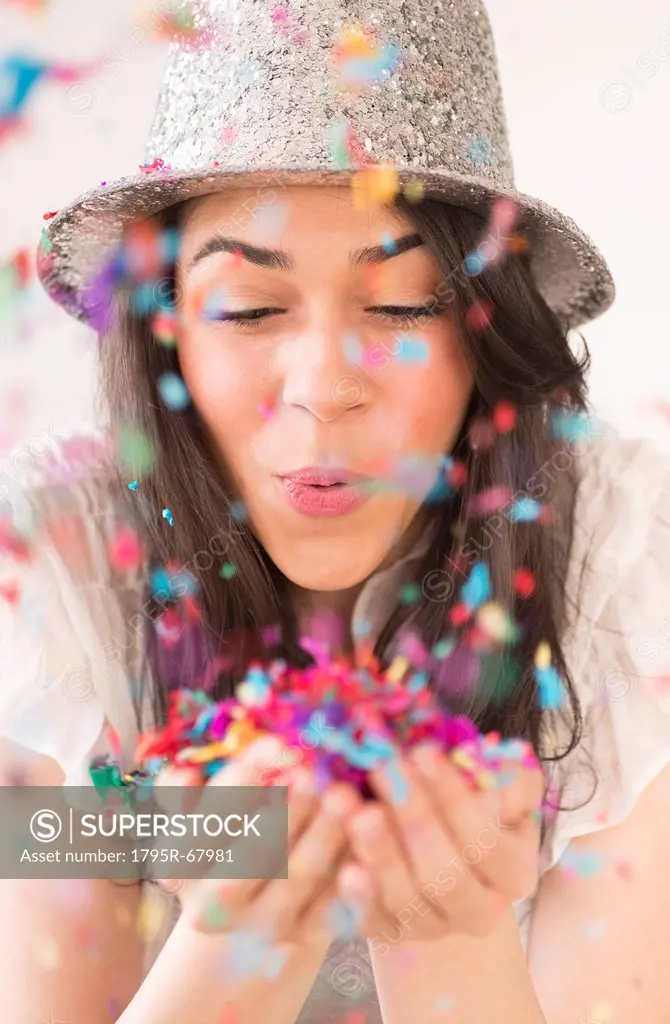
(306, 91)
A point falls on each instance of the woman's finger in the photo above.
(312, 864)
(445, 881)
(494, 851)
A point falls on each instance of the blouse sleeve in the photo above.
(619, 647)
(61, 686)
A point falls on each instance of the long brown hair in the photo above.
(522, 355)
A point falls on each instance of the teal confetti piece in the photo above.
(525, 510)
(168, 515)
(133, 485)
(477, 590)
(412, 350)
(397, 782)
(552, 693)
(45, 242)
(173, 391)
(227, 570)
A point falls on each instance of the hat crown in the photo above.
(259, 84)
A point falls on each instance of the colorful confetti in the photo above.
(173, 391)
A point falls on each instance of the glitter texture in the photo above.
(421, 114)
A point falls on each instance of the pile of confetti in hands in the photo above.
(346, 717)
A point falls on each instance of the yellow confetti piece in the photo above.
(414, 190)
(495, 621)
(375, 186)
(397, 669)
(47, 952)
(463, 759)
(356, 42)
(150, 918)
(543, 655)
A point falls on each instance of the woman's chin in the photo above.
(327, 570)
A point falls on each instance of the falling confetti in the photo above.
(375, 186)
(477, 589)
(135, 452)
(227, 571)
(173, 391)
(397, 782)
(552, 692)
(125, 551)
(412, 350)
(167, 514)
(504, 417)
(525, 510)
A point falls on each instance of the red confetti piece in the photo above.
(11, 592)
(479, 315)
(504, 417)
(125, 551)
(624, 870)
(49, 215)
(524, 582)
(459, 614)
(457, 474)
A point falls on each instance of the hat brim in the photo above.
(568, 269)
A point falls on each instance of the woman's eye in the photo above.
(406, 313)
(242, 317)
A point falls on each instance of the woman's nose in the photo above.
(323, 372)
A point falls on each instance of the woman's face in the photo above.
(330, 401)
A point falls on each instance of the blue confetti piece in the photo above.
(133, 485)
(144, 298)
(247, 952)
(418, 682)
(170, 245)
(353, 350)
(342, 920)
(238, 511)
(173, 391)
(570, 425)
(477, 589)
(274, 963)
(215, 307)
(443, 648)
(412, 350)
(168, 515)
(525, 510)
(18, 77)
(479, 150)
(398, 784)
(388, 242)
(552, 693)
(474, 264)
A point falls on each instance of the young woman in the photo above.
(336, 401)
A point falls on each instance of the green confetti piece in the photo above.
(227, 570)
(46, 244)
(135, 452)
(216, 916)
(410, 593)
(500, 674)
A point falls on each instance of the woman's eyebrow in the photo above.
(277, 259)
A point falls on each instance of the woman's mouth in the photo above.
(320, 492)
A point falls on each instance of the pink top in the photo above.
(71, 629)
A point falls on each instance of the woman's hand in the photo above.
(438, 852)
(285, 912)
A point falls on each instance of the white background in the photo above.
(589, 133)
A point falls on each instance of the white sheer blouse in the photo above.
(71, 630)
